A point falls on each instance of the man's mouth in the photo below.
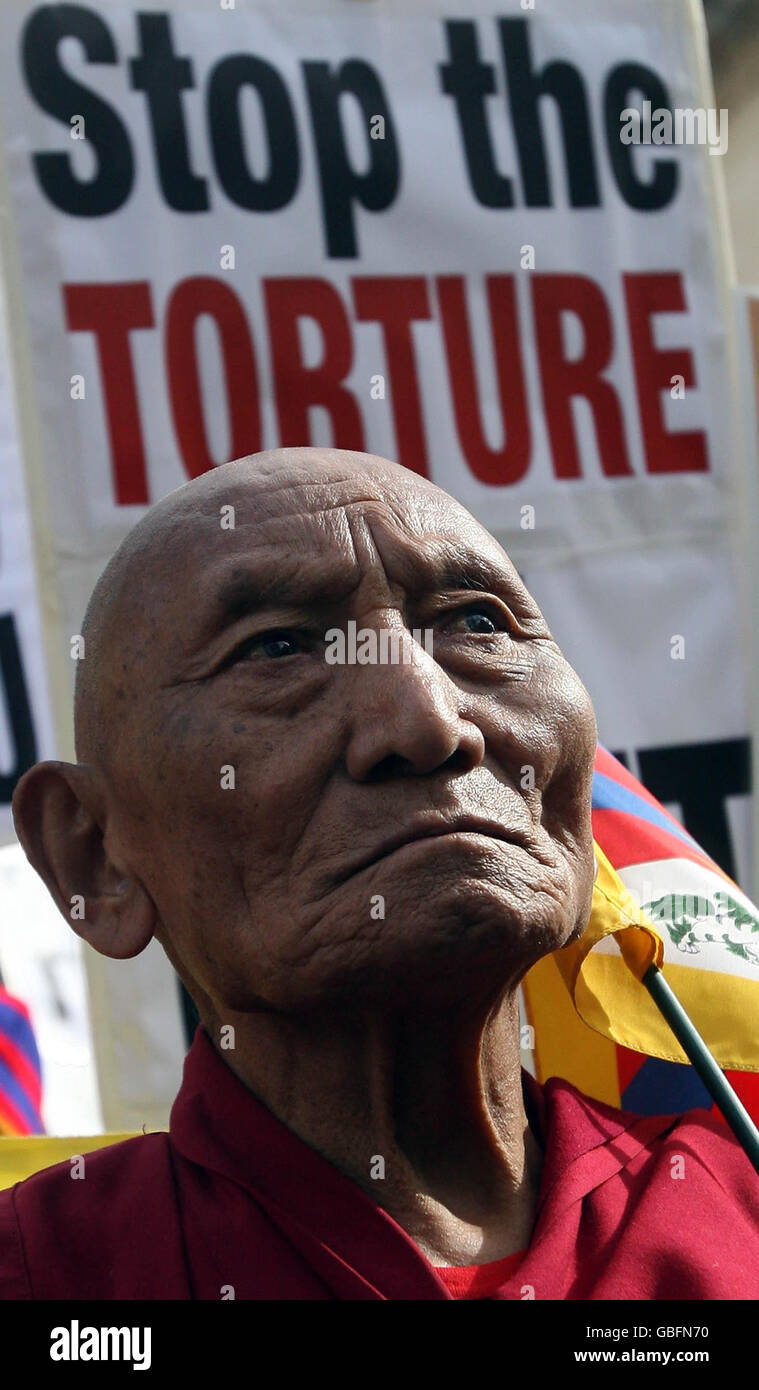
(435, 827)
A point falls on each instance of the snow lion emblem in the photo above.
(719, 919)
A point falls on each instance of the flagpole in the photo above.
(695, 1048)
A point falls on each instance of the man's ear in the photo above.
(60, 821)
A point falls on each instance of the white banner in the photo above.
(488, 245)
(747, 311)
(26, 730)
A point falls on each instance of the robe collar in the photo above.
(351, 1242)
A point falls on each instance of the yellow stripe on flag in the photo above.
(564, 1045)
(605, 987)
(23, 1155)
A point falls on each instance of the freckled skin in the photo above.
(258, 895)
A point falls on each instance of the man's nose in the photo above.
(406, 717)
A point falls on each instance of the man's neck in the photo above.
(425, 1114)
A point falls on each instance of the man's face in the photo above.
(295, 820)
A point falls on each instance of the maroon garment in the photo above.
(231, 1197)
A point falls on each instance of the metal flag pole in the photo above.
(698, 1054)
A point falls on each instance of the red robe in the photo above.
(230, 1203)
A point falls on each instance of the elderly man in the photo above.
(349, 869)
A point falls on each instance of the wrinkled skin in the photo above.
(264, 894)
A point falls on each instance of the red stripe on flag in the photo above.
(746, 1086)
(26, 1075)
(629, 1064)
(627, 840)
(11, 1119)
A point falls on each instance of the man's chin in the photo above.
(463, 940)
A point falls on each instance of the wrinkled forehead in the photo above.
(391, 518)
(314, 537)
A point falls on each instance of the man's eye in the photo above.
(273, 645)
(481, 620)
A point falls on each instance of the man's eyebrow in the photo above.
(463, 579)
(248, 591)
(457, 569)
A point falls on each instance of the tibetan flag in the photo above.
(658, 897)
(20, 1076)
